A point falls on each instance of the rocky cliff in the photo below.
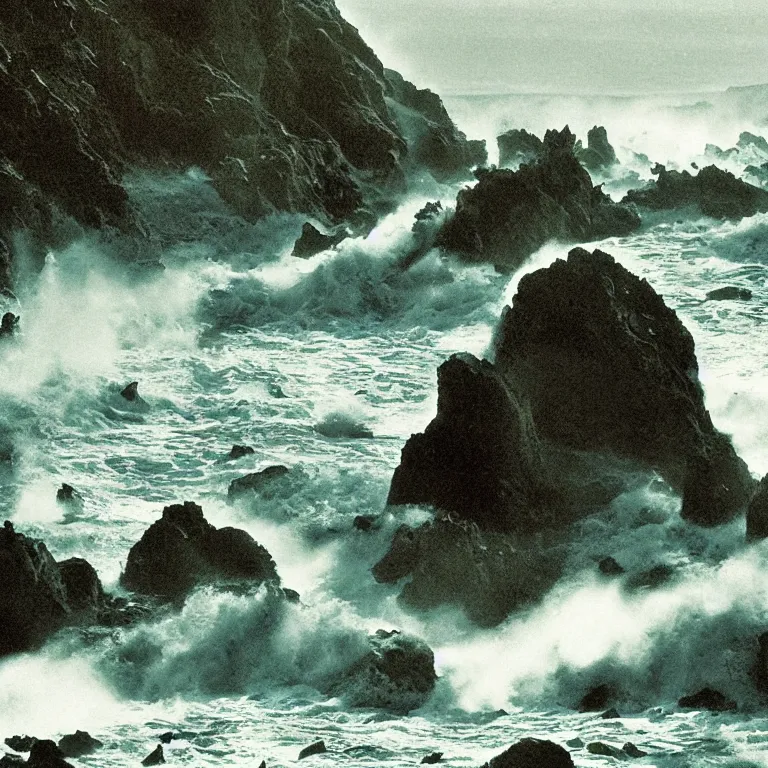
(280, 102)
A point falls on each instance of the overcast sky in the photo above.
(567, 46)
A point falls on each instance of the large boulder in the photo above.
(33, 597)
(532, 753)
(712, 191)
(479, 457)
(606, 366)
(508, 215)
(397, 674)
(182, 550)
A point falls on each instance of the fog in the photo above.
(568, 46)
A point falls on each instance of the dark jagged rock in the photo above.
(532, 753)
(131, 392)
(313, 241)
(435, 142)
(166, 738)
(338, 424)
(599, 155)
(750, 140)
(714, 192)
(256, 481)
(479, 457)
(519, 146)
(609, 567)
(398, 674)
(183, 550)
(607, 367)
(70, 498)
(9, 324)
(155, 757)
(317, 748)
(45, 754)
(730, 292)
(238, 451)
(757, 513)
(33, 600)
(633, 751)
(709, 699)
(306, 121)
(486, 574)
(424, 229)
(12, 761)
(610, 714)
(509, 214)
(596, 699)
(78, 744)
(432, 759)
(20, 743)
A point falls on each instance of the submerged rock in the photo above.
(155, 757)
(714, 192)
(339, 424)
(508, 215)
(605, 750)
(532, 753)
(317, 748)
(239, 451)
(633, 751)
(183, 550)
(78, 744)
(730, 292)
(131, 395)
(313, 241)
(432, 759)
(256, 481)
(398, 674)
(707, 698)
(607, 367)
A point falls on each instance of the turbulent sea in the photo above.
(236, 341)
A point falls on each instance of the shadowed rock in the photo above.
(730, 292)
(597, 699)
(238, 451)
(432, 759)
(155, 757)
(532, 753)
(318, 748)
(9, 324)
(519, 146)
(398, 674)
(709, 699)
(78, 744)
(45, 754)
(183, 550)
(508, 215)
(599, 155)
(607, 367)
(20, 743)
(712, 191)
(256, 481)
(313, 241)
(757, 513)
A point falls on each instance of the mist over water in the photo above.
(236, 341)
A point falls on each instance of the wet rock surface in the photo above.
(508, 215)
(183, 550)
(532, 753)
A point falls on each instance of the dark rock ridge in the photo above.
(508, 215)
(313, 241)
(182, 550)
(757, 513)
(532, 753)
(280, 102)
(607, 367)
(398, 674)
(712, 191)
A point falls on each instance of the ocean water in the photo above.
(239, 342)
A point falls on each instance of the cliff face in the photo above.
(280, 102)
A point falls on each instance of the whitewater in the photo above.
(239, 342)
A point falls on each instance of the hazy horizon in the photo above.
(572, 46)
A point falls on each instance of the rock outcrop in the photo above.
(182, 550)
(598, 155)
(398, 674)
(510, 214)
(607, 367)
(532, 753)
(518, 146)
(281, 104)
(711, 191)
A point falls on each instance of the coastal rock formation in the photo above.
(519, 146)
(598, 155)
(712, 191)
(280, 103)
(532, 753)
(398, 674)
(509, 214)
(182, 550)
(757, 513)
(479, 457)
(607, 367)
